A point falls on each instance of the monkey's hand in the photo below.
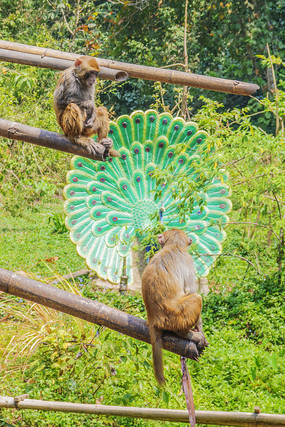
(90, 122)
(107, 142)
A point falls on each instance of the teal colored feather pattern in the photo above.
(108, 202)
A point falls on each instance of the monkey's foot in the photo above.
(198, 338)
(98, 151)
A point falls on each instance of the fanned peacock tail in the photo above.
(109, 202)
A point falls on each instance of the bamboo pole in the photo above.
(57, 64)
(89, 310)
(147, 73)
(242, 419)
(44, 138)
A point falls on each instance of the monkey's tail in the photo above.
(156, 342)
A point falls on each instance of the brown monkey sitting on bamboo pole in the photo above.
(75, 110)
(169, 292)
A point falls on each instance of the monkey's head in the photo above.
(174, 237)
(87, 69)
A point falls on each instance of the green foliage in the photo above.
(58, 222)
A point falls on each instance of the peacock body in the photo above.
(107, 203)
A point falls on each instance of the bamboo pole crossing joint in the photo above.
(140, 71)
(90, 310)
(242, 419)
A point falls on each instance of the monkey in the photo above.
(170, 295)
(76, 114)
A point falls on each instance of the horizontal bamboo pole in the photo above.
(57, 64)
(92, 311)
(243, 419)
(45, 138)
(148, 73)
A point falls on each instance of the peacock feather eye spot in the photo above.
(79, 165)
(125, 187)
(71, 208)
(127, 236)
(199, 140)
(197, 227)
(136, 150)
(111, 131)
(110, 159)
(138, 179)
(94, 189)
(124, 157)
(189, 132)
(151, 119)
(102, 168)
(94, 202)
(138, 120)
(124, 124)
(222, 191)
(164, 121)
(147, 149)
(170, 154)
(222, 206)
(115, 218)
(99, 229)
(163, 185)
(102, 180)
(72, 193)
(105, 269)
(98, 213)
(78, 235)
(176, 127)
(109, 199)
(199, 213)
(74, 221)
(75, 179)
(212, 247)
(181, 161)
(161, 145)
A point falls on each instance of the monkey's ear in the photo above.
(160, 239)
(78, 62)
(189, 241)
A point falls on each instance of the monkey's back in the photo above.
(165, 279)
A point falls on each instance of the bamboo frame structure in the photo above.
(143, 72)
(92, 311)
(45, 138)
(57, 64)
(241, 419)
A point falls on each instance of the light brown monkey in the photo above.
(75, 110)
(169, 293)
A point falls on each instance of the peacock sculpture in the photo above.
(108, 203)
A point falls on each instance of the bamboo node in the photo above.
(20, 398)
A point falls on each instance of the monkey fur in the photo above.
(169, 292)
(75, 110)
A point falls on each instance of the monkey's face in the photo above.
(90, 77)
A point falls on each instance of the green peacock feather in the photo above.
(107, 203)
